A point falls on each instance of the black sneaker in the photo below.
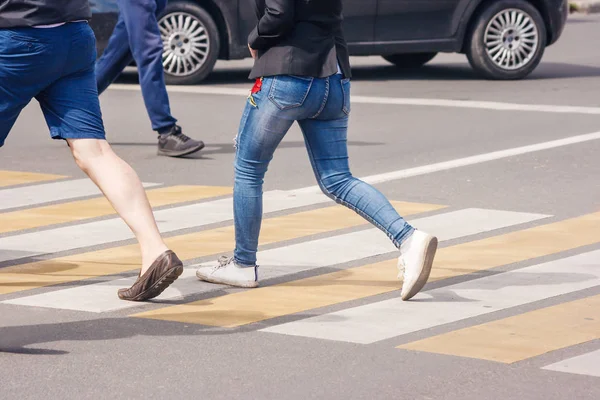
(176, 144)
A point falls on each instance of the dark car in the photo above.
(503, 39)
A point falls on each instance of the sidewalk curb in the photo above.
(584, 7)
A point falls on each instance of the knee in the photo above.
(250, 172)
(87, 152)
(336, 184)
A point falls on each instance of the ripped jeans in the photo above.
(321, 107)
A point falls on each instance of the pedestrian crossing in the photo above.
(317, 255)
(216, 241)
(391, 318)
(121, 259)
(337, 287)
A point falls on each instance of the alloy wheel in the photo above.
(511, 39)
(185, 43)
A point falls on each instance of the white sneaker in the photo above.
(229, 273)
(416, 259)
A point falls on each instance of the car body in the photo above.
(503, 39)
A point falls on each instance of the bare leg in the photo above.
(123, 189)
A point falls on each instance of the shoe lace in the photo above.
(402, 268)
(223, 262)
(181, 137)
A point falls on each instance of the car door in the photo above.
(359, 19)
(104, 19)
(400, 20)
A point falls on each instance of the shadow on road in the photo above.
(227, 148)
(14, 339)
(17, 339)
(575, 20)
(563, 70)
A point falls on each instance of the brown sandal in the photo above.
(161, 274)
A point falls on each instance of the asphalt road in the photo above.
(512, 310)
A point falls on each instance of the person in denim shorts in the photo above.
(48, 52)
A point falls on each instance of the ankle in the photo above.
(149, 255)
(173, 129)
(240, 264)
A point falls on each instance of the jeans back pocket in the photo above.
(346, 91)
(12, 44)
(289, 91)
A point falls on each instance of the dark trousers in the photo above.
(137, 37)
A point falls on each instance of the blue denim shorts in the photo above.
(56, 67)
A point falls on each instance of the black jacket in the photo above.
(299, 37)
(24, 13)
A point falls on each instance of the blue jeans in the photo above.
(321, 107)
(137, 37)
(56, 67)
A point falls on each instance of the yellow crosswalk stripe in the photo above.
(189, 246)
(264, 303)
(521, 337)
(100, 207)
(11, 178)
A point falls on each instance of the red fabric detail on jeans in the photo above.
(257, 86)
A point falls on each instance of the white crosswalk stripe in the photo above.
(33, 195)
(585, 364)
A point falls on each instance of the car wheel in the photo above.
(410, 61)
(191, 43)
(507, 41)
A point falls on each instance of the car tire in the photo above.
(180, 25)
(507, 40)
(410, 60)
